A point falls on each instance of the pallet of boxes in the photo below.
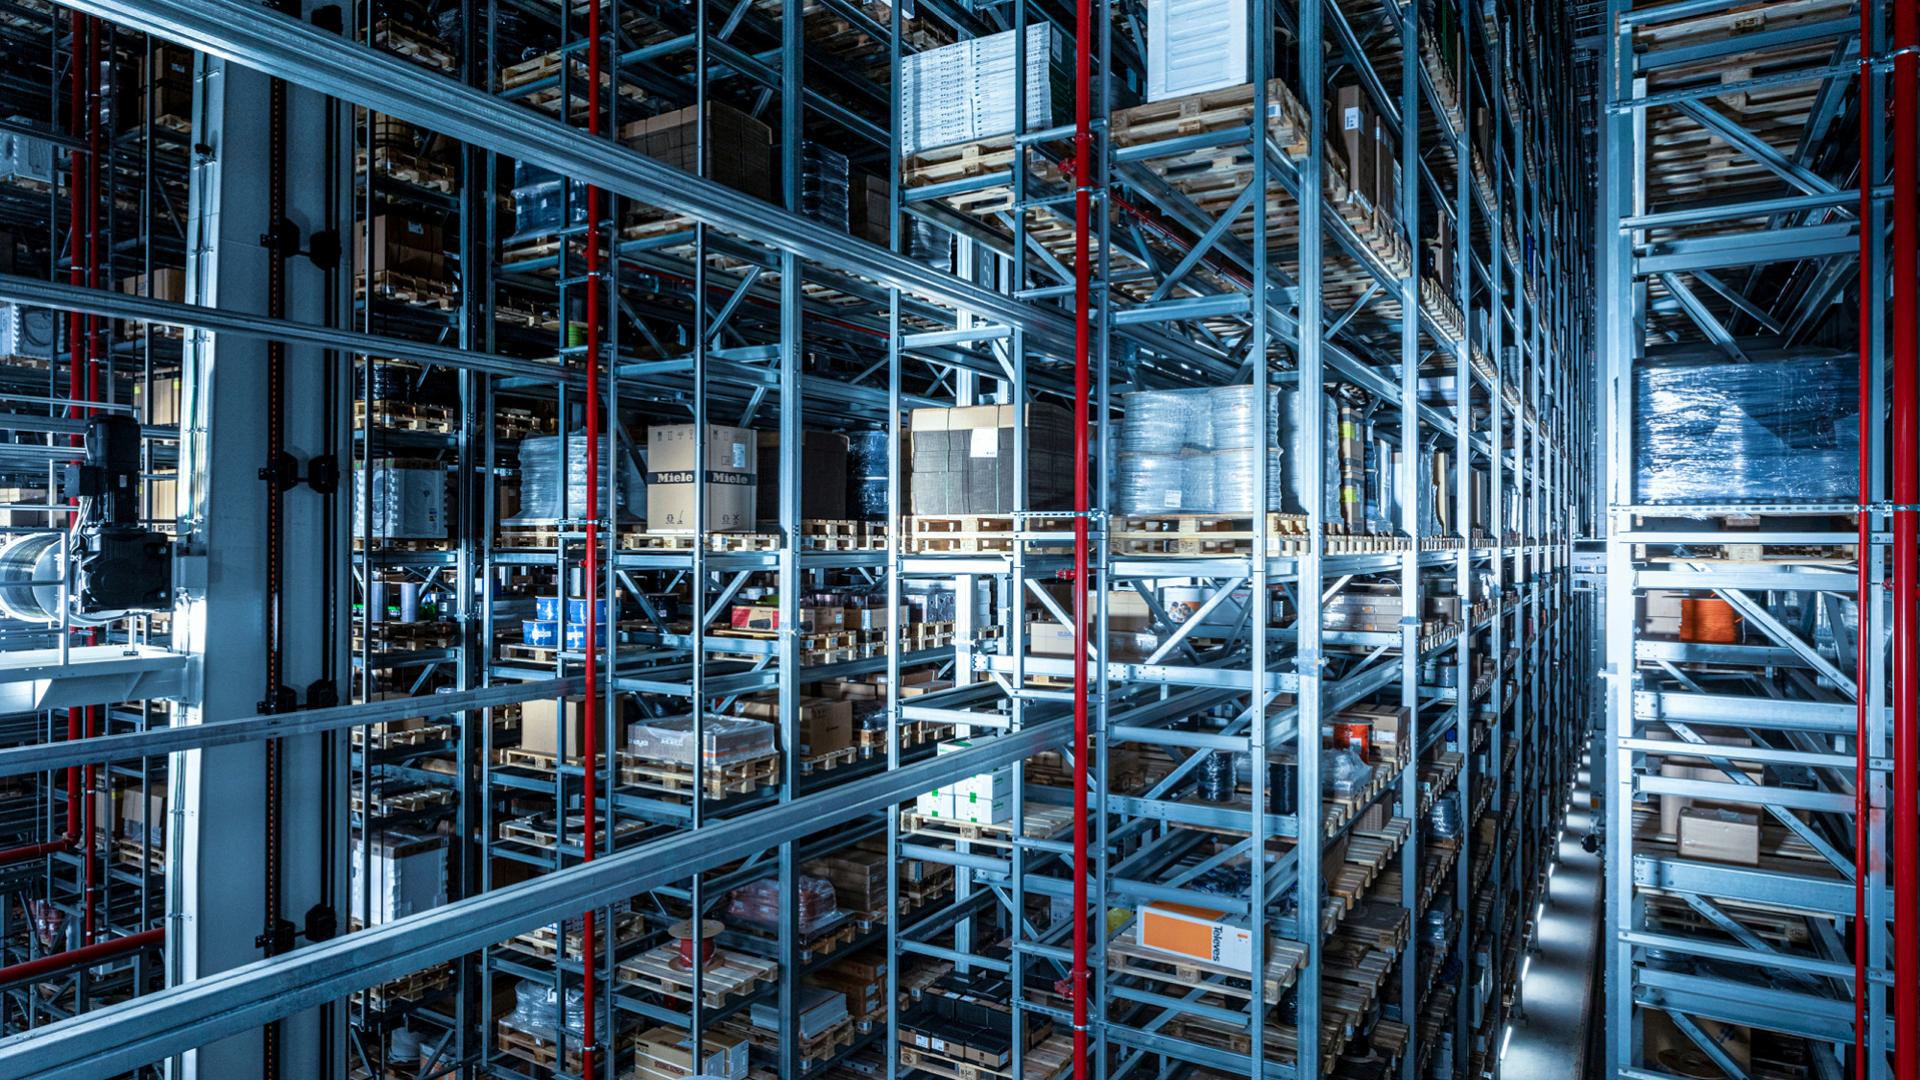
(964, 478)
(964, 1027)
(725, 478)
(739, 755)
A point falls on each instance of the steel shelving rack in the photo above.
(1746, 968)
(834, 334)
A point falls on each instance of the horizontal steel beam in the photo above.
(169, 740)
(123, 1037)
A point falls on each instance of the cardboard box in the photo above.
(668, 1052)
(1354, 120)
(962, 459)
(1720, 835)
(823, 476)
(869, 209)
(1688, 768)
(826, 725)
(729, 476)
(1046, 637)
(1660, 612)
(1197, 934)
(540, 727)
(1386, 175)
(766, 617)
(169, 83)
(1194, 46)
(400, 246)
(169, 283)
(739, 148)
(405, 877)
(31, 519)
(162, 406)
(136, 817)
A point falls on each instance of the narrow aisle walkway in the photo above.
(1549, 1043)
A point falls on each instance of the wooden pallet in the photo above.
(829, 761)
(977, 533)
(719, 782)
(1214, 110)
(815, 649)
(407, 289)
(727, 976)
(405, 802)
(1050, 1059)
(407, 989)
(536, 830)
(386, 737)
(814, 1052)
(1041, 823)
(403, 416)
(131, 852)
(535, 1050)
(397, 38)
(1204, 535)
(1285, 961)
(399, 165)
(624, 927)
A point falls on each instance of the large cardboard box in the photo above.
(540, 727)
(1196, 933)
(1660, 612)
(401, 877)
(160, 407)
(139, 818)
(1194, 46)
(823, 476)
(1671, 806)
(168, 283)
(1386, 165)
(668, 1052)
(1354, 120)
(400, 246)
(739, 148)
(962, 459)
(728, 473)
(826, 725)
(169, 82)
(1720, 835)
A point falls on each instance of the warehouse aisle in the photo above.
(1554, 993)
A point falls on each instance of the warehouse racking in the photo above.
(1746, 963)
(1451, 320)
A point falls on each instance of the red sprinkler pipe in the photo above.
(590, 734)
(1862, 808)
(1906, 492)
(81, 957)
(1082, 348)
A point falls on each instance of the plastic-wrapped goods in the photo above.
(1216, 777)
(540, 495)
(758, 905)
(544, 202)
(408, 499)
(1342, 773)
(867, 475)
(1154, 483)
(1233, 481)
(825, 187)
(1352, 468)
(1230, 410)
(1444, 818)
(1165, 422)
(727, 740)
(1294, 497)
(1760, 431)
(536, 1007)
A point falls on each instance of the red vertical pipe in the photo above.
(1906, 492)
(1862, 804)
(96, 250)
(1082, 351)
(590, 714)
(78, 175)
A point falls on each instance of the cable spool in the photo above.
(1216, 777)
(1711, 622)
(39, 559)
(1164, 421)
(1153, 484)
(1233, 419)
(1233, 481)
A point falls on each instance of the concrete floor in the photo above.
(1550, 1042)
